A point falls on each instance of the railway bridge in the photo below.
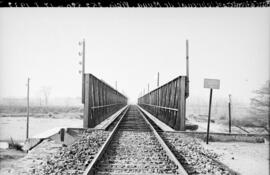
(134, 145)
(166, 103)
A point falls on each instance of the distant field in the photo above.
(15, 109)
(241, 115)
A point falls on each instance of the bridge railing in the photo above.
(100, 101)
(168, 102)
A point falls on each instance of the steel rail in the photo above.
(90, 169)
(172, 109)
(181, 170)
(104, 106)
(106, 126)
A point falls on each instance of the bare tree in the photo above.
(260, 104)
(46, 91)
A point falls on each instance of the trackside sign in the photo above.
(211, 83)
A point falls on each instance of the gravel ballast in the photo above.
(74, 158)
(194, 158)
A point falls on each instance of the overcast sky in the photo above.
(131, 45)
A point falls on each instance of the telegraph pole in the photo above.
(158, 90)
(187, 59)
(158, 79)
(27, 119)
(116, 89)
(230, 117)
(83, 67)
(149, 94)
(187, 68)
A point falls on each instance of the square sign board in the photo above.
(211, 83)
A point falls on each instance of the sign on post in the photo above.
(211, 84)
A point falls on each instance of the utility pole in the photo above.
(116, 90)
(158, 79)
(187, 68)
(27, 119)
(187, 59)
(83, 67)
(149, 94)
(158, 90)
(230, 117)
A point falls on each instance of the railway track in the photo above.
(134, 147)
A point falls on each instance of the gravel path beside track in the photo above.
(76, 157)
(194, 158)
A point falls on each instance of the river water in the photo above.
(15, 127)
